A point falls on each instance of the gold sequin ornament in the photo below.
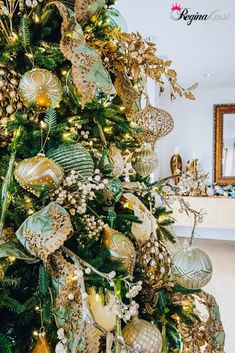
(153, 122)
(155, 261)
(143, 337)
(121, 249)
(144, 160)
(42, 346)
(41, 89)
(38, 174)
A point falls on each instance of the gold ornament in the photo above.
(142, 336)
(121, 249)
(141, 231)
(38, 174)
(192, 268)
(102, 314)
(155, 260)
(40, 88)
(144, 161)
(42, 346)
(154, 123)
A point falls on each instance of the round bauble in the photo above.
(121, 249)
(154, 123)
(144, 160)
(73, 157)
(38, 174)
(102, 314)
(41, 89)
(116, 20)
(142, 336)
(191, 268)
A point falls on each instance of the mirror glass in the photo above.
(228, 159)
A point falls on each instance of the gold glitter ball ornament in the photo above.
(154, 123)
(142, 336)
(121, 249)
(41, 89)
(39, 174)
(191, 268)
(144, 161)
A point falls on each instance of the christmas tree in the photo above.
(86, 260)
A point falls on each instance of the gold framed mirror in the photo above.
(224, 144)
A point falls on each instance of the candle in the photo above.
(177, 150)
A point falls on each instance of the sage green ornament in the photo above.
(73, 157)
(105, 164)
(116, 20)
(45, 231)
(191, 268)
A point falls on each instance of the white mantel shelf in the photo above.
(218, 222)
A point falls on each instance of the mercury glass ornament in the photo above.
(121, 249)
(142, 336)
(38, 174)
(154, 123)
(73, 157)
(144, 160)
(191, 268)
(40, 88)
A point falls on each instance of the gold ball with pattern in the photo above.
(142, 337)
(40, 89)
(39, 174)
(153, 122)
(155, 261)
(121, 249)
(144, 161)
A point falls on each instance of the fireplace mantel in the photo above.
(218, 222)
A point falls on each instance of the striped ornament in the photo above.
(191, 268)
(73, 157)
(38, 174)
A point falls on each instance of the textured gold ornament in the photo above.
(102, 313)
(144, 160)
(40, 88)
(142, 336)
(42, 346)
(38, 174)
(154, 123)
(155, 260)
(121, 249)
(192, 268)
(117, 161)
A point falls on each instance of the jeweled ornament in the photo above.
(38, 174)
(40, 88)
(153, 122)
(191, 268)
(121, 249)
(144, 160)
(142, 336)
(73, 157)
(102, 313)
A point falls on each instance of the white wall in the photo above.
(193, 131)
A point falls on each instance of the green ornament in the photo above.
(105, 164)
(115, 188)
(111, 216)
(116, 20)
(73, 157)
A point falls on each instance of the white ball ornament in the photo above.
(191, 268)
